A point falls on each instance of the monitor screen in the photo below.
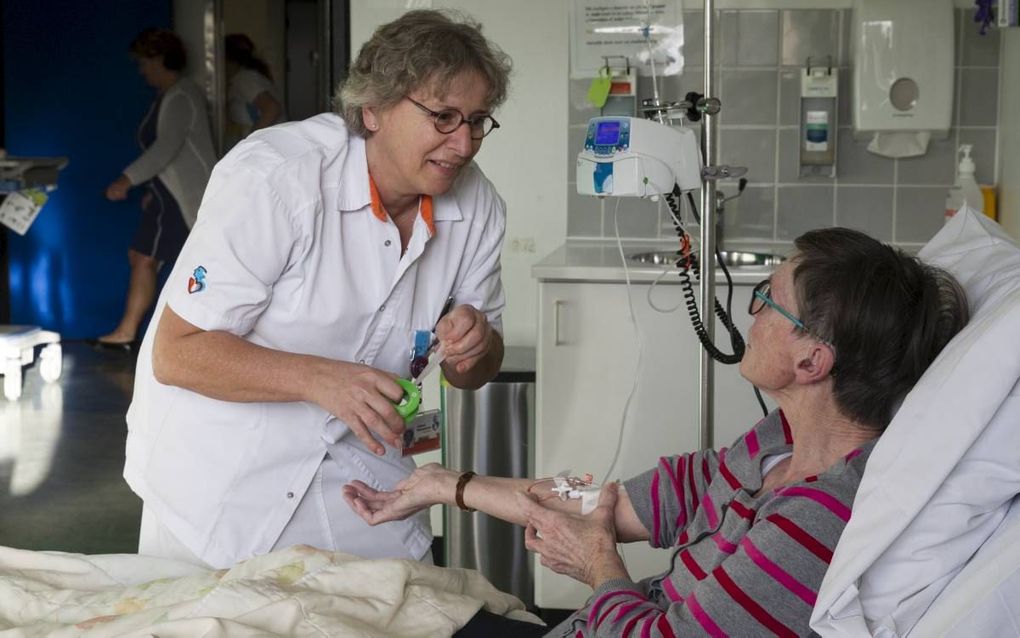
(607, 132)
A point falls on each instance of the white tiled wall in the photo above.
(761, 53)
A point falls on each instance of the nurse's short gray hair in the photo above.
(423, 47)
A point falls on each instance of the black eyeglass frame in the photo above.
(460, 118)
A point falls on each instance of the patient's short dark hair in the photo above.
(887, 314)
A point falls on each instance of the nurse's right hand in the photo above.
(363, 398)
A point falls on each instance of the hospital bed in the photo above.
(18, 343)
(17, 349)
(933, 545)
(932, 548)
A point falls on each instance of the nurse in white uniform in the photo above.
(266, 381)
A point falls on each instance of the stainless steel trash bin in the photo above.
(491, 431)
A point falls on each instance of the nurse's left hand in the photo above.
(580, 546)
(466, 337)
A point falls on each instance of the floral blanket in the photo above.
(299, 591)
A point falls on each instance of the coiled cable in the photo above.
(690, 299)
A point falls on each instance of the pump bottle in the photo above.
(965, 190)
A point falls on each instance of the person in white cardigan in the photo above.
(175, 164)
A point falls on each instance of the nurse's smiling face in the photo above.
(408, 156)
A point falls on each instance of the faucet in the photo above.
(720, 206)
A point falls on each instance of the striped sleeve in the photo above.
(767, 585)
(666, 497)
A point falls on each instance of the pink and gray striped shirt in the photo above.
(742, 565)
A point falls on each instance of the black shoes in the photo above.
(112, 346)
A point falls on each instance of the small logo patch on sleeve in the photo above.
(196, 282)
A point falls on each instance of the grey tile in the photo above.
(846, 48)
(977, 49)
(575, 142)
(580, 109)
(751, 215)
(855, 165)
(920, 212)
(749, 97)
(812, 32)
(845, 97)
(755, 149)
(635, 217)
(868, 209)
(957, 36)
(789, 160)
(728, 31)
(979, 97)
(802, 208)
(789, 97)
(693, 79)
(694, 38)
(937, 166)
(983, 153)
(758, 38)
(584, 214)
(954, 119)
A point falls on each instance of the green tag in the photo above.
(598, 92)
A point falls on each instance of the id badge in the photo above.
(423, 434)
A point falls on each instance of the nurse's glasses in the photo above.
(449, 120)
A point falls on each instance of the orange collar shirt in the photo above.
(288, 254)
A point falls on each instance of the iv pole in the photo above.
(707, 262)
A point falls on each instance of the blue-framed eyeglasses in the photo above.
(761, 297)
(449, 120)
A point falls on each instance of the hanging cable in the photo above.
(640, 347)
(736, 340)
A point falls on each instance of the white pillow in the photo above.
(941, 477)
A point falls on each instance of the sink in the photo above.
(732, 258)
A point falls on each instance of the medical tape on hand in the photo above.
(589, 499)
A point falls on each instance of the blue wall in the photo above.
(71, 89)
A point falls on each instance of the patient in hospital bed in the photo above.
(841, 332)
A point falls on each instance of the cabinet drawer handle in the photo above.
(556, 322)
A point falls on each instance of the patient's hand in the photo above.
(426, 486)
(580, 546)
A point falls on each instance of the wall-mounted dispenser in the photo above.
(902, 74)
(818, 92)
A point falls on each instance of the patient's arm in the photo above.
(433, 484)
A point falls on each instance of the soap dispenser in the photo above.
(966, 189)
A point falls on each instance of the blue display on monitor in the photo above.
(607, 132)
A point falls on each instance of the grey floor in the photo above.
(61, 458)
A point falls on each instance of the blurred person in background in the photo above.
(253, 101)
(174, 167)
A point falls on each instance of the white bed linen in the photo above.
(299, 591)
(943, 475)
(984, 598)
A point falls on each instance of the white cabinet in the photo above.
(587, 363)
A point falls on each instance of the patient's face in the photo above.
(770, 360)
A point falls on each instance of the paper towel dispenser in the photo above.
(903, 73)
